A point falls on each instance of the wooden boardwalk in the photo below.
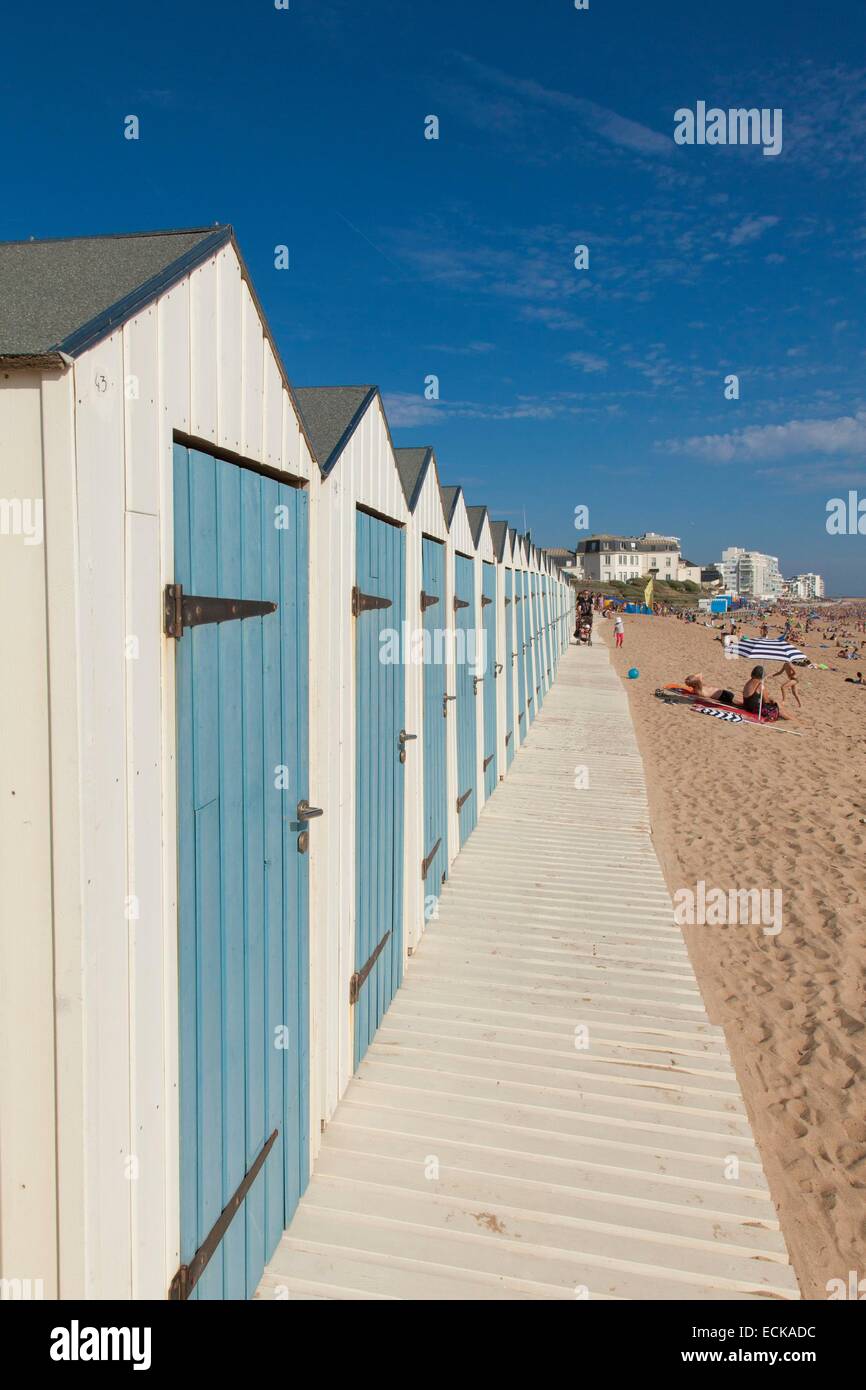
(546, 1111)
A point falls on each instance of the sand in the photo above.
(741, 806)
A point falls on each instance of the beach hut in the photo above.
(466, 605)
(154, 838)
(522, 638)
(505, 653)
(488, 667)
(426, 673)
(360, 745)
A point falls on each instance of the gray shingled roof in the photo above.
(499, 530)
(411, 465)
(449, 501)
(62, 295)
(476, 521)
(331, 415)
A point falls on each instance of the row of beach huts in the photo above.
(262, 671)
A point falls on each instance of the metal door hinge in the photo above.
(487, 762)
(425, 863)
(357, 980)
(460, 603)
(188, 1276)
(462, 799)
(182, 610)
(485, 601)
(363, 603)
(428, 600)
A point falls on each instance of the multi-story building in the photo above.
(804, 586)
(607, 557)
(750, 573)
(568, 562)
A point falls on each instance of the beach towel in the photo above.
(730, 716)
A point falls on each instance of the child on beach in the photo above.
(619, 630)
(789, 683)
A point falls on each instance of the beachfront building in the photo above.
(606, 557)
(750, 573)
(567, 562)
(804, 586)
(689, 572)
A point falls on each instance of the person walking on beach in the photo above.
(619, 629)
(789, 682)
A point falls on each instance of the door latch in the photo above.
(403, 739)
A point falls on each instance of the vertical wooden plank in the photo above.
(141, 415)
(253, 388)
(273, 756)
(231, 343)
(144, 906)
(293, 609)
(273, 410)
(231, 793)
(28, 1179)
(101, 506)
(174, 366)
(203, 324)
(254, 853)
(187, 972)
(206, 723)
(64, 657)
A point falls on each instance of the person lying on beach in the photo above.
(756, 700)
(851, 680)
(696, 683)
(789, 682)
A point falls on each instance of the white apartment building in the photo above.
(750, 573)
(804, 586)
(606, 557)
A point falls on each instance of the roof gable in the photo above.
(331, 415)
(412, 468)
(63, 295)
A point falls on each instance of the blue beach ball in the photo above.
(633, 673)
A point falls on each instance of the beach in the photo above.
(739, 806)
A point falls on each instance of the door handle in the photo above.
(403, 738)
(497, 668)
(475, 680)
(308, 812)
(445, 699)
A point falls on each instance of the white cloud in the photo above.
(618, 130)
(587, 361)
(750, 229)
(844, 435)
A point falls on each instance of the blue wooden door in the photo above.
(379, 721)
(539, 619)
(522, 642)
(489, 677)
(532, 653)
(242, 735)
(465, 653)
(545, 625)
(434, 867)
(510, 659)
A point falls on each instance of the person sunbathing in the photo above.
(696, 684)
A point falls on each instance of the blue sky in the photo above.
(412, 257)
